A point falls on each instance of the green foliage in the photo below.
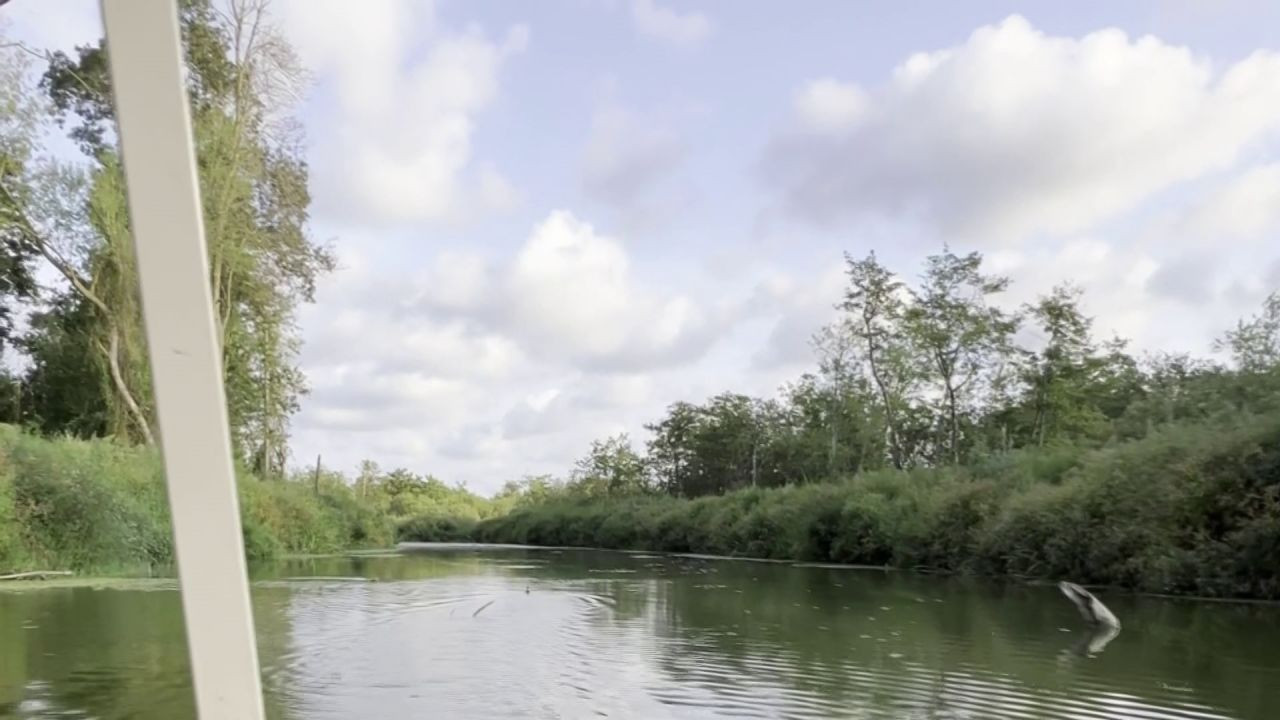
(81, 505)
(959, 337)
(1255, 343)
(1188, 509)
(65, 389)
(19, 108)
(100, 506)
(436, 528)
(610, 468)
(421, 508)
(89, 373)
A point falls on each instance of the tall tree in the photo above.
(875, 307)
(838, 367)
(20, 111)
(1058, 377)
(670, 449)
(611, 467)
(242, 78)
(959, 335)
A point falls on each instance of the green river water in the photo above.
(490, 632)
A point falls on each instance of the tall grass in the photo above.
(98, 506)
(1192, 510)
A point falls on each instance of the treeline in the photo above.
(1192, 508)
(932, 375)
(930, 438)
(75, 349)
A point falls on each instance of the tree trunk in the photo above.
(955, 424)
(835, 435)
(316, 479)
(1042, 421)
(895, 451)
(267, 468)
(80, 285)
(117, 378)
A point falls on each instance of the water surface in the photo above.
(468, 632)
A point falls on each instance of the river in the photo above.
(488, 632)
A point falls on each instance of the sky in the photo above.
(554, 219)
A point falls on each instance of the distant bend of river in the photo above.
(492, 632)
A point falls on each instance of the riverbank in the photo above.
(97, 507)
(1191, 510)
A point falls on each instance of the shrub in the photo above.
(435, 528)
(98, 506)
(1187, 509)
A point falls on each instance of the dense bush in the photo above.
(436, 528)
(99, 506)
(77, 504)
(1188, 509)
(290, 517)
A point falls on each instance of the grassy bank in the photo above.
(1192, 509)
(1187, 510)
(100, 507)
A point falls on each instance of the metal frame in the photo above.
(186, 360)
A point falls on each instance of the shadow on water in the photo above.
(512, 632)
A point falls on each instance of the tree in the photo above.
(1176, 386)
(727, 442)
(611, 467)
(367, 476)
(839, 369)
(875, 311)
(20, 110)
(1254, 344)
(803, 447)
(64, 388)
(959, 336)
(670, 450)
(242, 78)
(1058, 378)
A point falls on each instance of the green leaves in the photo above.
(610, 468)
(1254, 344)
(959, 338)
(263, 261)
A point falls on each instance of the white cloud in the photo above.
(1246, 207)
(571, 294)
(670, 25)
(447, 349)
(594, 402)
(828, 105)
(391, 129)
(1016, 132)
(626, 156)
(799, 309)
(567, 295)
(363, 398)
(485, 369)
(1215, 248)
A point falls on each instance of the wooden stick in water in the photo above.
(36, 574)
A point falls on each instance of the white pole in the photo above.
(164, 205)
